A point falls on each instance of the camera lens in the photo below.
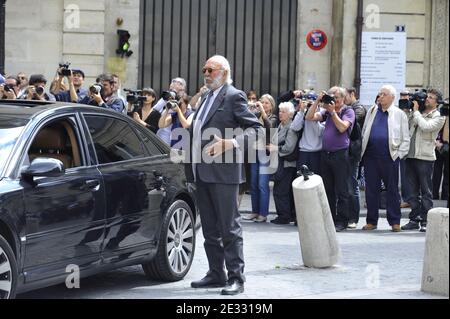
(39, 90)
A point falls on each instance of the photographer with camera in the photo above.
(310, 143)
(101, 94)
(36, 89)
(176, 89)
(425, 122)
(335, 163)
(9, 90)
(177, 115)
(146, 115)
(75, 78)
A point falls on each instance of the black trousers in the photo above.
(354, 192)
(335, 168)
(440, 168)
(283, 196)
(418, 174)
(218, 206)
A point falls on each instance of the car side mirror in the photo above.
(44, 167)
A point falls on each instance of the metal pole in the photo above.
(359, 28)
(2, 36)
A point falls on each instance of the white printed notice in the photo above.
(383, 61)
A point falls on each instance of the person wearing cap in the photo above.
(75, 93)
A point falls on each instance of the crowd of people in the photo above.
(349, 145)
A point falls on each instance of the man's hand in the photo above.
(220, 146)
(416, 106)
(321, 95)
(331, 108)
(97, 98)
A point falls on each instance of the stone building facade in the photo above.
(41, 33)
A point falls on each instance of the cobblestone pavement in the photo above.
(378, 264)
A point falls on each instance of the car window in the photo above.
(57, 139)
(10, 130)
(114, 140)
(150, 144)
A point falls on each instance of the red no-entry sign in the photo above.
(317, 40)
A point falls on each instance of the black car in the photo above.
(87, 187)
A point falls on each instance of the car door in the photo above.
(133, 191)
(65, 215)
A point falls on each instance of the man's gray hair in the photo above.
(288, 106)
(225, 65)
(336, 89)
(391, 90)
(181, 81)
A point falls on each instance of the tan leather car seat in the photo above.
(50, 142)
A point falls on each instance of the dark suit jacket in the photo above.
(229, 111)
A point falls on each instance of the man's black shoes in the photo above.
(234, 287)
(208, 282)
(412, 225)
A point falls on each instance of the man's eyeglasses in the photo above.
(209, 70)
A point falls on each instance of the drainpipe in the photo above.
(2, 36)
(359, 28)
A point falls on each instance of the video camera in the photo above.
(443, 109)
(65, 71)
(135, 98)
(419, 96)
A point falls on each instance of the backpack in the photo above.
(355, 148)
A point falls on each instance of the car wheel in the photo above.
(8, 271)
(176, 245)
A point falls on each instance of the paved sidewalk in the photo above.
(373, 265)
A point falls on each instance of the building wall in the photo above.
(42, 33)
(39, 35)
(426, 23)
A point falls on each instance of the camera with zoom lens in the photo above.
(171, 105)
(169, 95)
(65, 71)
(8, 88)
(419, 96)
(39, 90)
(443, 109)
(328, 99)
(96, 88)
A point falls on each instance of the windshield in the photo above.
(10, 129)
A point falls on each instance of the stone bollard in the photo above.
(435, 264)
(317, 234)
